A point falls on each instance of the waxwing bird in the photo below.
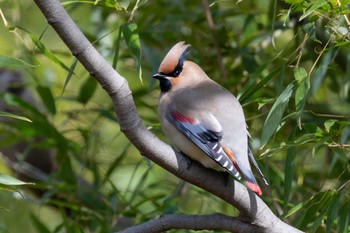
(202, 119)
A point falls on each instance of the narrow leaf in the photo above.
(255, 87)
(70, 74)
(10, 62)
(302, 91)
(289, 168)
(47, 98)
(133, 41)
(9, 180)
(8, 188)
(343, 218)
(312, 8)
(318, 76)
(318, 203)
(332, 211)
(44, 50)
(87, 90)
(275, 115)
(40, 226)
(117, 47)
(6, 114)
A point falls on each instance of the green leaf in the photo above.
(318, 203)
(70, 74)
(44, 50)
(312, 8)
(118, 5)
(255, 87)
(47, 98)
(133, 41)
(10, 62)
(87, 90)
(40, 226)
(320, 72)
(8, 188)
(343, 218)
(292, 211)
(310, 30)
(289, 169)
(117, 48)
(328, 124)
(6, 114)
(302, 92)
(116, 163)
(316, 224)
(332, 211)
(275, 115)
(11, 181)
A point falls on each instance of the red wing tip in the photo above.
(255, 188)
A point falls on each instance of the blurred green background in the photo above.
(287, 61)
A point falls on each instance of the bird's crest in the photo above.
(176, 56)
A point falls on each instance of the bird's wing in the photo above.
(205, 134)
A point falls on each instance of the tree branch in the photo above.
(194, 222)
(252, 208)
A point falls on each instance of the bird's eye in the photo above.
(177, 73)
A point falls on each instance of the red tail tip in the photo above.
(255, 188)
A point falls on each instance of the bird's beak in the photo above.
(159, 76)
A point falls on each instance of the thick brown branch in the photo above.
(251, 207)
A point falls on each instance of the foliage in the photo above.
(287, 62)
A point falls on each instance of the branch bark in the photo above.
(253, 211)
(194, 222)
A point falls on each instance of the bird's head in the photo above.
(171, 69)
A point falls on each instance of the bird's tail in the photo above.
(255, 165)
(251, 182)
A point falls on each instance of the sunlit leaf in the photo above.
(329, 123)
(314, 6)
(6, 114)
(10, 62)
(116, 4)
(133, 41)
(275, 115)
(11, 181)
(44, 50)
(292, 211)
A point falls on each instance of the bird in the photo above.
(202, 119)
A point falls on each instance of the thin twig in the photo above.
(345, 17)
(319, 56)
(301, 48)
(211, 26)
(133, 10)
